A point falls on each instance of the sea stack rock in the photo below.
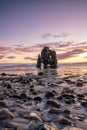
(48, 58)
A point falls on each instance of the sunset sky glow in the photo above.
(26, 26)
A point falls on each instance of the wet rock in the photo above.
(69, 101)
(38, 99)
(80, 96)
(34, 116)
(49, 94)
(3, 74)
(46, 127)
(69, 81)
(66, 111)
(55, 111)
(65, 121)
(67, 90)
(79, 117)
(23, 96)
(52, 103)
(40, 74)
(52, 84)
(20, 123)
(8, 86)
(84, 103)
(6, 114)
(68, 96)
(3, 103)
(72, 128)
(79, 83)
(1, 97)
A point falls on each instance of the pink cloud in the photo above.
(48, 35)
(1, 56)
(70, 54)
(30, 58)
(11, 57)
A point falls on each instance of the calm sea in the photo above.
(63, 69)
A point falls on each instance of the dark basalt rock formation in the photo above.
(47, 57)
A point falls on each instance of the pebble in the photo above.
(6, 114)
(52, 103)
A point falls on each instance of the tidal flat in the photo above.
(43, 101)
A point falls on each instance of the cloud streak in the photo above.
(1, 56)
(70, 54)
(63, 35)
(11, 57)
(64, 50)
(30, 58)
(4, 49)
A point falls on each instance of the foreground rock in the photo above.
(42, 102)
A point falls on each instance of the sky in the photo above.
(26, 26)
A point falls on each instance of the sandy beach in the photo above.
(43, 101)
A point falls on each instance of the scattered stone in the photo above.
(72, 128)
(52, 103)
(46, 127)
(79, 83)
(34, 116)
(40, 73)
(4, 74)
(66, 111)
(55, 111)
(23, 96)
(6, 114)
(65, 121)
(84, 103)
(3, 103)
(38, 99)
(49, 94)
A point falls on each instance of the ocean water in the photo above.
(62, 70)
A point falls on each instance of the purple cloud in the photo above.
(47, 35)
(11, 57)
(4, 49)
(70, 54)
(1, 56)
(29, 58)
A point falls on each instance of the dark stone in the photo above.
(38, 62)
(34, 116)
(80, 96)
(40, 73)
(6, 114)
(65, 121)
(23, 96)
(55, 111)
(67, 112)
(49, 94)
(79, 83)
(84, 103)
(8, 86)
(52, 103)
(68, 96)
(45, 127)
(3, 103)
(4, 74)
(38, 99)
